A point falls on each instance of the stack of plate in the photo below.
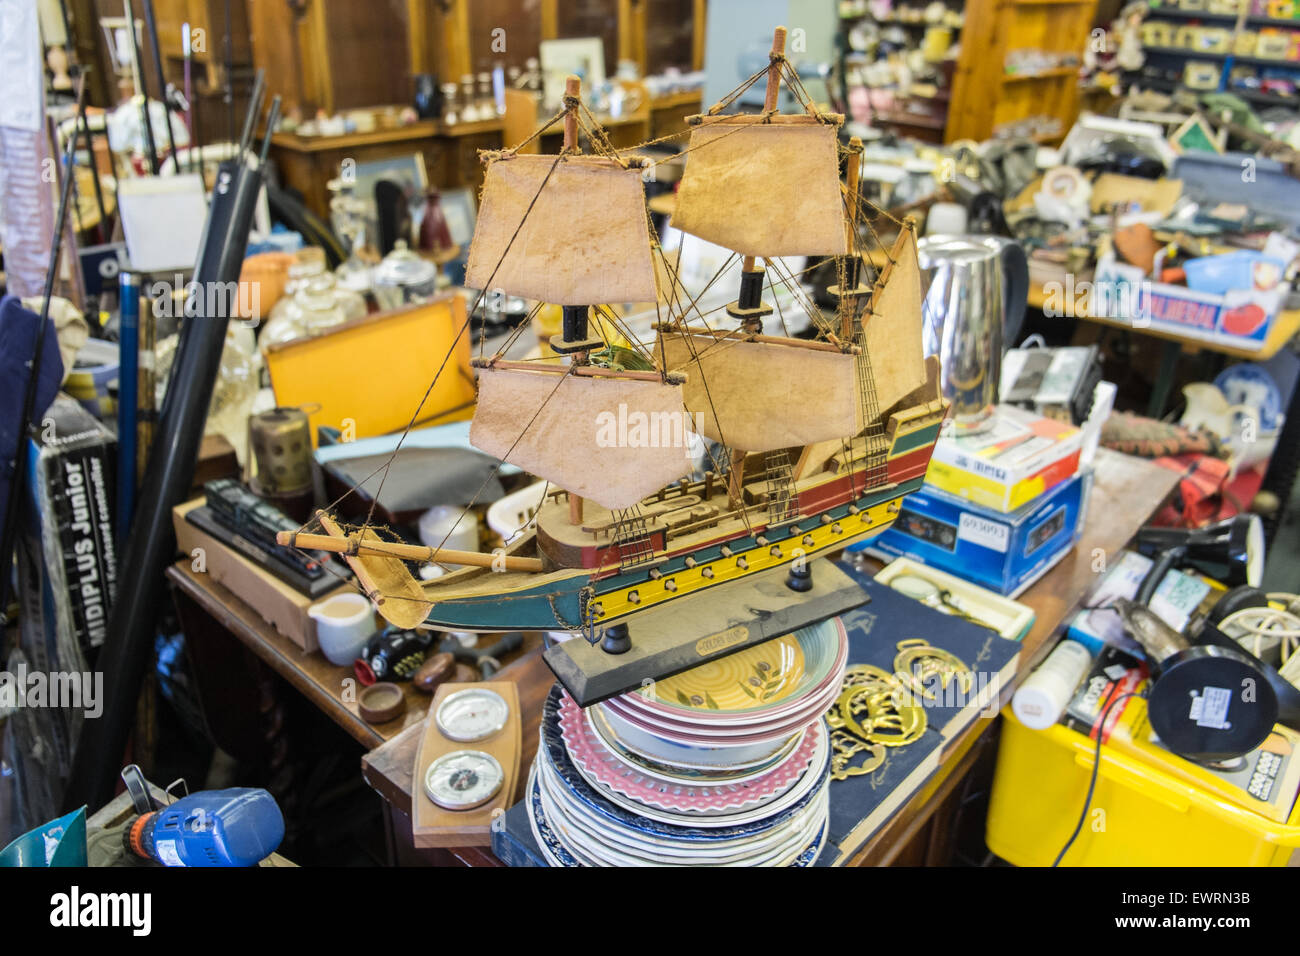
(726, 764)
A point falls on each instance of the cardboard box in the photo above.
(1003, 552)
(73, 467)
(1241, 318)
(276, 602)
(1019, 457)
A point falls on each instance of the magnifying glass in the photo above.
(931, 595)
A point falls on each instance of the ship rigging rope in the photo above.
(675, 284)
(384, 468)
(538, 132)
(559, 380)
(603, 146)
(513, 335)
(451, 350)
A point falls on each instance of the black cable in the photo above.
(1092, 783)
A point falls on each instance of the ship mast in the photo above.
(750, 307)
(849, 289)
(575, 338)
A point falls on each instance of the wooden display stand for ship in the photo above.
(816, 441)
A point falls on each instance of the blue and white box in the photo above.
(1003, 552)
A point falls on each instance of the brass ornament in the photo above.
(846, 748)
(918, 662)
(875, 711)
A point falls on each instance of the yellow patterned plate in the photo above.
(755, 679)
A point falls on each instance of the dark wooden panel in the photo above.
(591, 18)
(369, 53)
(274, 36)
(669, 34)
(522, 22)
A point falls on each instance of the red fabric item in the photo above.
(1199, 499)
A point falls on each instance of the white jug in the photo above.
(344, 622)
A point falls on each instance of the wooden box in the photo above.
(278, 604)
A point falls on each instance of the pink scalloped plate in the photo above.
(604, 769)
(722, 735)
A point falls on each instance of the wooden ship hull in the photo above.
(609, 580)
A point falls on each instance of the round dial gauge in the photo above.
(463, 779)
(473, 714)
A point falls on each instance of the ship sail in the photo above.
(613, 440)
(763, 189)
(581, 239)
(893, 328)
(758, 396)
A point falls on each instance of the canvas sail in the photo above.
(759, 396)
(763, 189)
(611, 440)
(893, 332)
(585, 241)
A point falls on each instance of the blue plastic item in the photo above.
(240, 826)
(60, 842)
(1228, 272)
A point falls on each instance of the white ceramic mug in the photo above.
(344, 622)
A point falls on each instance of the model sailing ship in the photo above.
(821, 438)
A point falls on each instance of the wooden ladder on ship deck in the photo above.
(876, 453)
(782, 497)
(632, 538)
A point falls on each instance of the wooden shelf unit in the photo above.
(985, 96)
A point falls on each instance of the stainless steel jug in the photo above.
(975, 303)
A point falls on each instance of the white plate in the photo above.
(596, 844)
(684, 754)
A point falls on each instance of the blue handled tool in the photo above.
(240, 826)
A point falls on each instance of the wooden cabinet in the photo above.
(333, 56)
(210, 56)
(308, 163)
(986, 97)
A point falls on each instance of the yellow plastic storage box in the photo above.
(1150, 818)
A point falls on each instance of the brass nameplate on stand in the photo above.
(686, 633)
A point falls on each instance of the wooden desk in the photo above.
(211, 614)
(308, 163)
(1126, 493)
(668, 113)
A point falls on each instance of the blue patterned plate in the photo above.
(556, 854)
(589, 837)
